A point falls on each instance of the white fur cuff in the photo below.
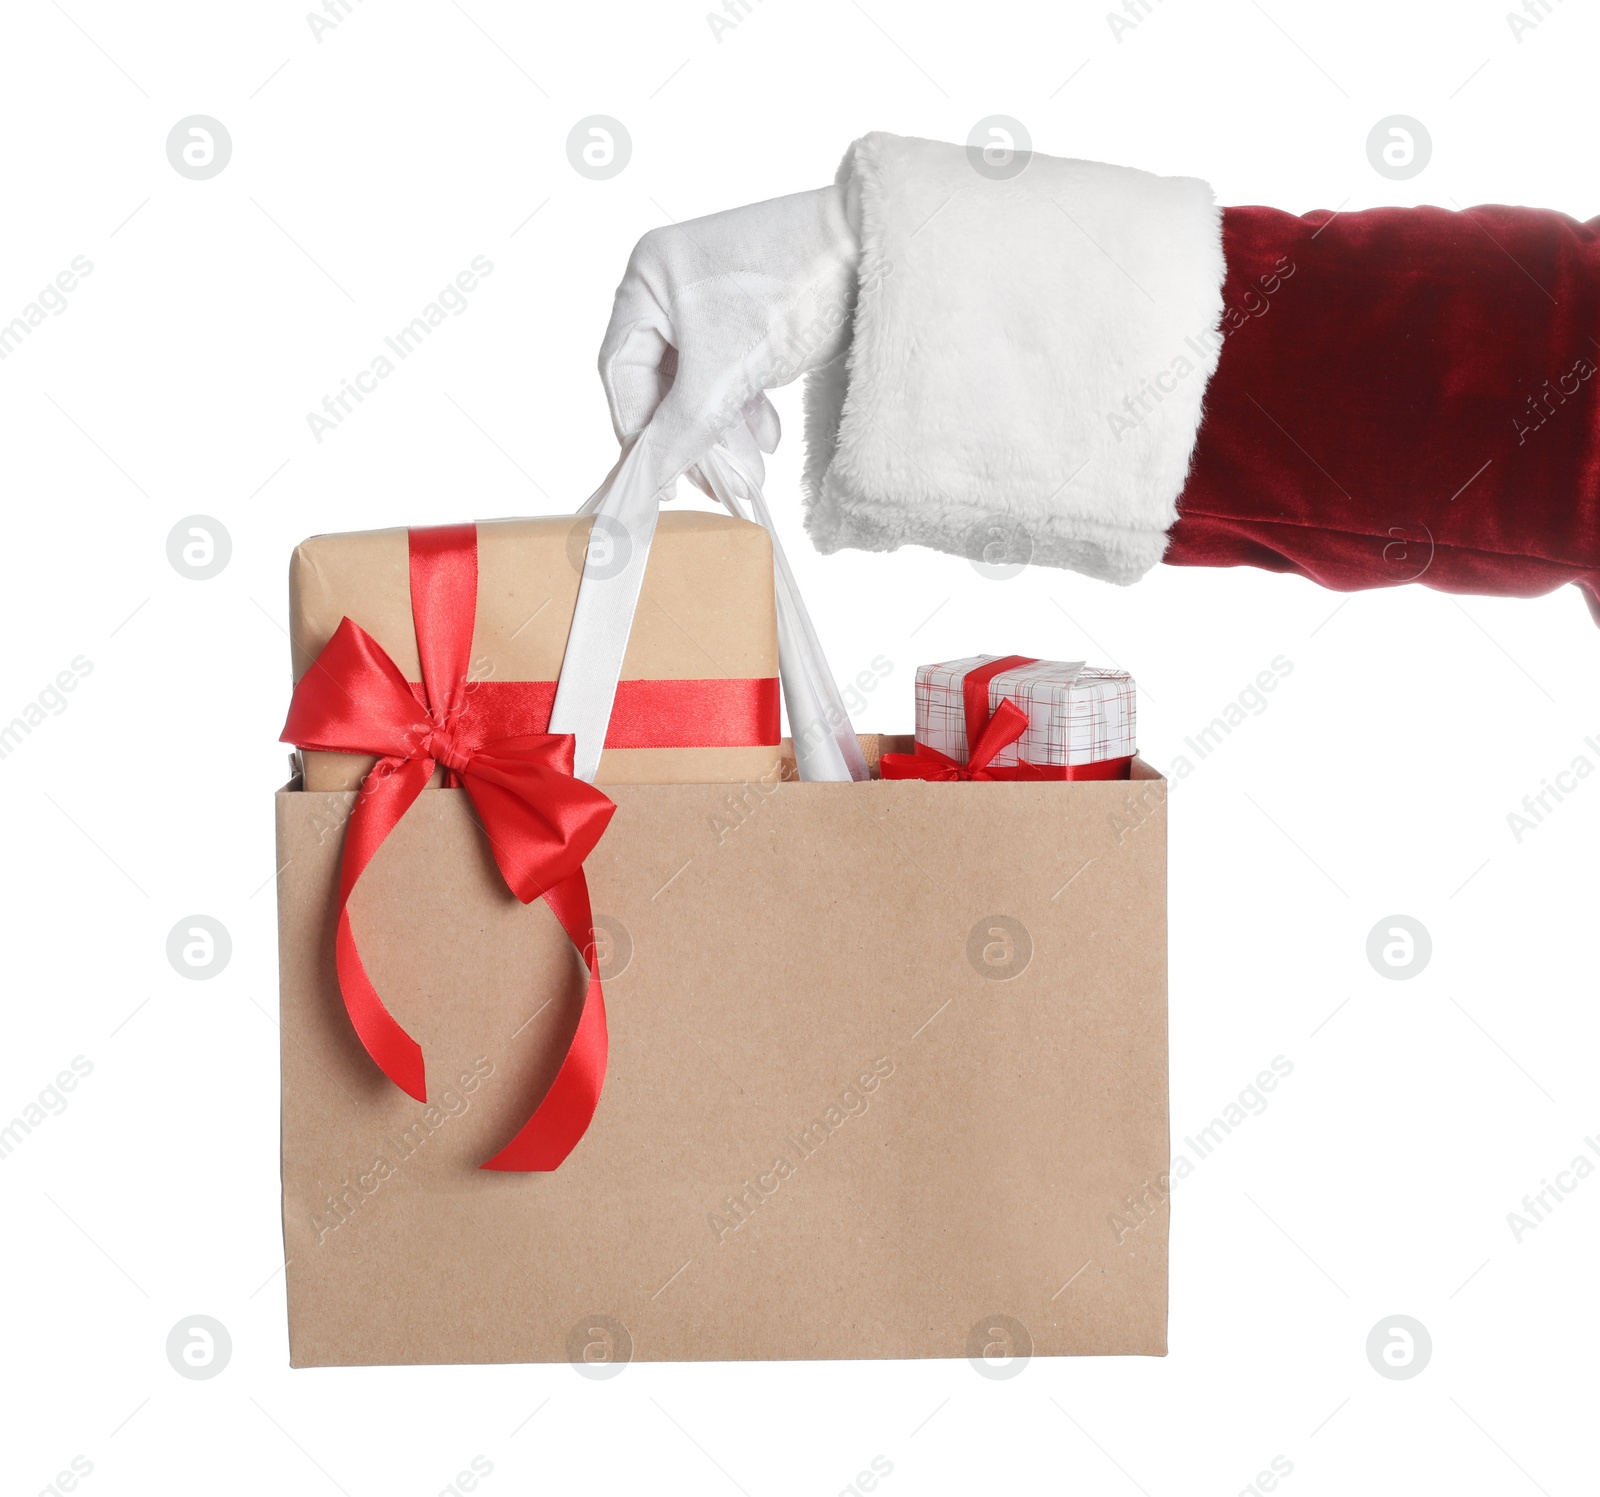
(1027, 363)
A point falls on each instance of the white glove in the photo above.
(715, 311)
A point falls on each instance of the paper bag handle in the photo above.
(625, 507)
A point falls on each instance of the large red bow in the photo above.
(541, 822)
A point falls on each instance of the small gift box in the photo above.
(1010, 717)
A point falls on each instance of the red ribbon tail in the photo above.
(385, 796)
(925, 764)
(563, 1116)
(399, 1056)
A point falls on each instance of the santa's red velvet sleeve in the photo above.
(1403, 394)
(1071, 364)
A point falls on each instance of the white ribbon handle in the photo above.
(625, 510)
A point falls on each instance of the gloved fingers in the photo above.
(637, 365)
(687, 428)
(675, 439)
(696, 475)
(761, 418)
(706, 402)
(741, 441)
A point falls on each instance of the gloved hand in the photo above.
(713, 312)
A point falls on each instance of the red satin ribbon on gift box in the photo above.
(540, 820)
(987, 734)
(733, 713)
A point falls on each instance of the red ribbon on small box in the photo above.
(987, 734)
(541, 821)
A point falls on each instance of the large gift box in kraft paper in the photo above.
(887, 1079)
(706, 615)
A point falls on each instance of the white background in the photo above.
(370, 167)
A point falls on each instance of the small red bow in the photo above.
(541, 822)
(1006, 726)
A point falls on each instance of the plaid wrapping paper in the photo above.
(1077, 714)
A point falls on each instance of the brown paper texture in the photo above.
(844, 1117)
(706, 611)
